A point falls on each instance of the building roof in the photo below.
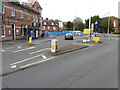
(111, 17)
(25, 6)
(30, 3)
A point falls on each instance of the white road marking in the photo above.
(44, 57)
(13, 47)
(40, 50)
(25, 60)
(19, 47)
(23, 49)
(9, 48)
(3, 50)
(13, 67)
(37, 62)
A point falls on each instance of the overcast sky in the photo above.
(66, 10)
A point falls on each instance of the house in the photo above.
(115, 21)
(64, 25)
(60, 23)
(20, 20)
(50, 25)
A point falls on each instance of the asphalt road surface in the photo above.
(93, 67)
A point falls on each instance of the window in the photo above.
(45, 23)
(43, 27)
(36, 18)
(54, 28)
(12, 11)
(114, 24)
(22, 30)
(28, 15)
(21, 13)
(3, 8)
(3, 30)
(48, 27)
(52, 23)
(39, 19)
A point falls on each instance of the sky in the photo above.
(67, 10)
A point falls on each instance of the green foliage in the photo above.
(69, 26)
(102, 24)
(78, 24)
(93, 20)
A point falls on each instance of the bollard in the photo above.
(54, 45)
(30, 40)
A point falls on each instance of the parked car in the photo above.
(69, 36)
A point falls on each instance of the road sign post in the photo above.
(92, 28)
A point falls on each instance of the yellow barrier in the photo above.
(97, 39)
(87, 31)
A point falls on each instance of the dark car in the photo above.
(68, 36)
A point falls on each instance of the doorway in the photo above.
(13, 31)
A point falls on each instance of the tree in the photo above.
(78, 24)
(69, 25)
(93, 20)
(104, 26)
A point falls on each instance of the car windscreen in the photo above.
(68, 34)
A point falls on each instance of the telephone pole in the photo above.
(108, 25)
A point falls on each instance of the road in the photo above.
(22, 55)
(93, 67)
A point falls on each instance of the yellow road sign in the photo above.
(87, 31)
(96, 39)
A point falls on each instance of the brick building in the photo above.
(64, 25)
(50, 25)
(115, 21)
(20, 20)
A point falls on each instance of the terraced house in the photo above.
(20, 20)
(50, 25)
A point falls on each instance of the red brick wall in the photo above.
(9, 22)
(116, 28)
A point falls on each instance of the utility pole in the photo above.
(90, 16)
(108, 26)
